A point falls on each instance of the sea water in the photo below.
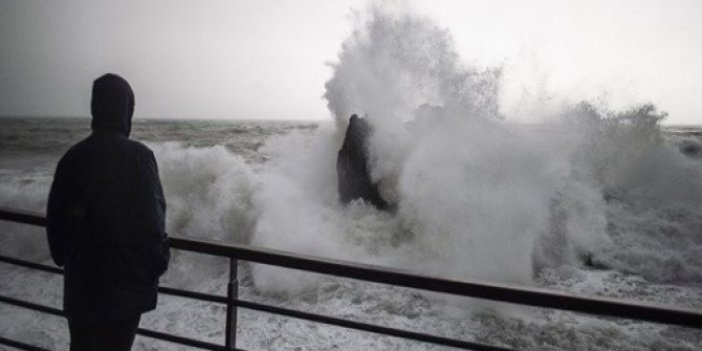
(231, 181)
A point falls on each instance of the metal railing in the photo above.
(235, 252)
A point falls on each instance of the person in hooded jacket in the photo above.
(106, 225)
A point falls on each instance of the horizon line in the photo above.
(236, 119)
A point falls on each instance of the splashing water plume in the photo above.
(477, 197)
(468, 188)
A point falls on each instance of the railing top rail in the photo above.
(490, 291)
(22, 216)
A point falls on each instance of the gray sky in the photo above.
(266, 59)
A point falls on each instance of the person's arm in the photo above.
(56, 212)
(155, 212)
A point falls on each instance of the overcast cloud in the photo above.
(266, 59)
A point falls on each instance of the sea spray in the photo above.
(625, 152)
(652, 193)
(298, 210)
(208, 195)
(209, 192)
(476, 197)
(393, 63)
(296, 206)
(472, 194)
(479, 197)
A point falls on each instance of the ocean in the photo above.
(611, 207)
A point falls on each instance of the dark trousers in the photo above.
(107, 336)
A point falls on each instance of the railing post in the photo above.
(232, 294)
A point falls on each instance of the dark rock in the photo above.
(589, 261)
(352, 166)
(692, 150)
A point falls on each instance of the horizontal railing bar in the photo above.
(287, 312)
(20, 345)
(489, 291)
(145, 332)
(192, 294)
(31, 305)
(32, 265)
(21, 216)
(180, 340)
(437, 340)
(161, 289)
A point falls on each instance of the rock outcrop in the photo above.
(352, 166)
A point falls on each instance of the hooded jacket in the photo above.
(106, 215)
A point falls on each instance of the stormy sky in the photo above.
(266, 59)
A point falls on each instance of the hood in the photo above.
(112, 105)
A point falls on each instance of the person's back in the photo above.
(105, 224)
